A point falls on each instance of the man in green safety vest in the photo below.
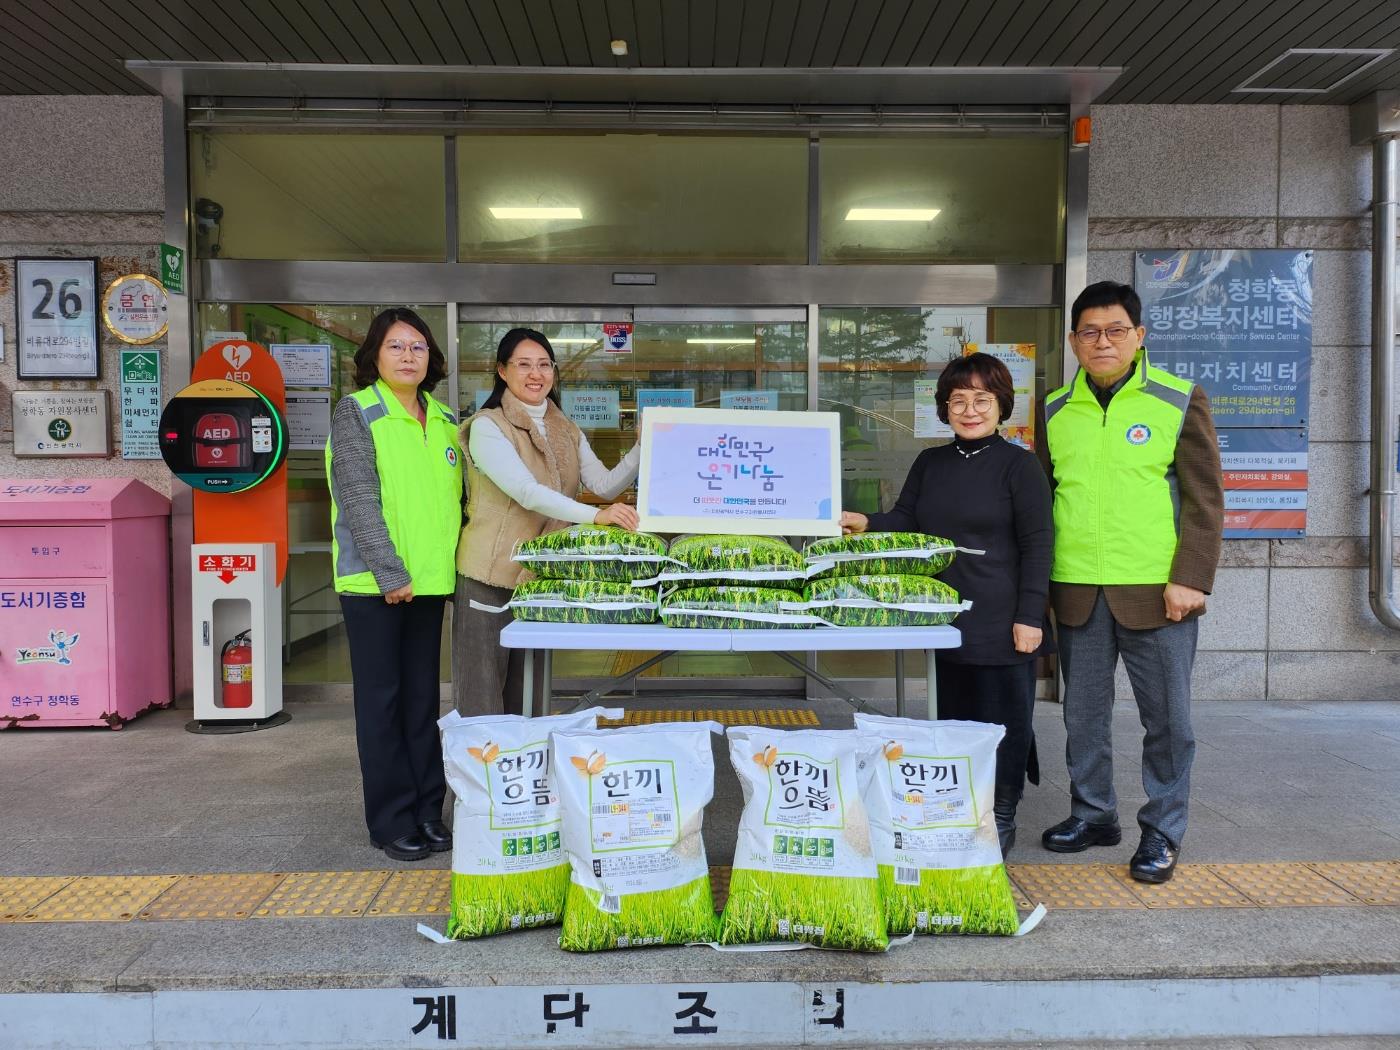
(1139, 512)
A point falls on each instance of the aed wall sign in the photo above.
(219, 435)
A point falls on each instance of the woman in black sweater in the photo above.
(987, 494)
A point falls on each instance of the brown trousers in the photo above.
(487, 678)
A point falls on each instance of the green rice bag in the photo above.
(633, 801)
(941, 868)
(508, 866)
(907, 553)
(593, 552)
(739, 560)
(734, 608)
(883, 601)
(804, 865)
(583, 601)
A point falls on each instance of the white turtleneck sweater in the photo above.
(496, 457)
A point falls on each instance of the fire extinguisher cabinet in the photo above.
(235, 594)
(84, 602)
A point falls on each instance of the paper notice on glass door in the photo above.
(308, 420)
(1019, 359)
(926, 421)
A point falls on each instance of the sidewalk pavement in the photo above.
(1273, 782)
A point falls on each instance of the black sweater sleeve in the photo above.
(1035, 536)
(904, 516)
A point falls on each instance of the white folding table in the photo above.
(546, 637)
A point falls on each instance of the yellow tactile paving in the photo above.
(1072, 886)
(356, 894)
(323, 894)
(725, 717)
(1374, 882)
(213, 896)
(414, 893)
(19, 894)
(1191, 886)
(1283, 885)
(101, 898)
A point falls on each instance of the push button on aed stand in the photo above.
(220, 441)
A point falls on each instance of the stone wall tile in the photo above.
(1111, 266)
(81, 227)
(1244, 554)
(1334, 675)
(1324, 233)
(1339, 395)
(1319, 552)
(1338, 478)
(1321, 173)
(1184, 161)
(1324, 610)
(100, 153)
(1236, 616)
(1341, 298)
(1174, 233)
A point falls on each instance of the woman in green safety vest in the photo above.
(395, 473)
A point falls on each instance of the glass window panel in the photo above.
(707, 358)
(869, 358)
(632, 197)
(315, 632)
(306, 196)
(997, 200)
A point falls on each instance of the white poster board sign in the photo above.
(57, 304)
(303, 364)
(732, 471)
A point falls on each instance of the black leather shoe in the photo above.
(1073, 835)
(436, 834)
(1155, 859)
(407, 847)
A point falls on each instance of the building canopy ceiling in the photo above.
(1171, 51)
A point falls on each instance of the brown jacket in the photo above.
(1140, 607)
(495, 522)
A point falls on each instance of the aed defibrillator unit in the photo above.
(220, 435)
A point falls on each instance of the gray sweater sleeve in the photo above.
(355, 478)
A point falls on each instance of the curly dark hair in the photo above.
(367, 356)
(973, 372)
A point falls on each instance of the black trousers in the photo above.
(394, 654)
(1000, 693)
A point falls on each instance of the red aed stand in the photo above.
(259, 514)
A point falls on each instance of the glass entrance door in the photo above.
(714, 354)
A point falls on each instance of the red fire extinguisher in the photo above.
(237, 659)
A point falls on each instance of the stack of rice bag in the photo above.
(734, 582)
(881, 579)
(585, 574)
(846, 837)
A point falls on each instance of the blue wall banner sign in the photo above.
(1266, 482)
(592, 409)
(1238, 323)
(664, 399)
(756, 400)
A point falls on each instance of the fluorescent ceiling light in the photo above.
(891, 214)
(537, 213)
(560, 340)
(721, 340)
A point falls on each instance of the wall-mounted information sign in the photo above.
(61, 423)
(136, 309)
(732, 471)
(141, 404)
(56, 300)
(1266, 482)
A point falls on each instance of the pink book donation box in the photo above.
(84, 602)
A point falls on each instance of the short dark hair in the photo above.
(367, 356)
(976, 371)
(505, 348)
(1107, 293)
